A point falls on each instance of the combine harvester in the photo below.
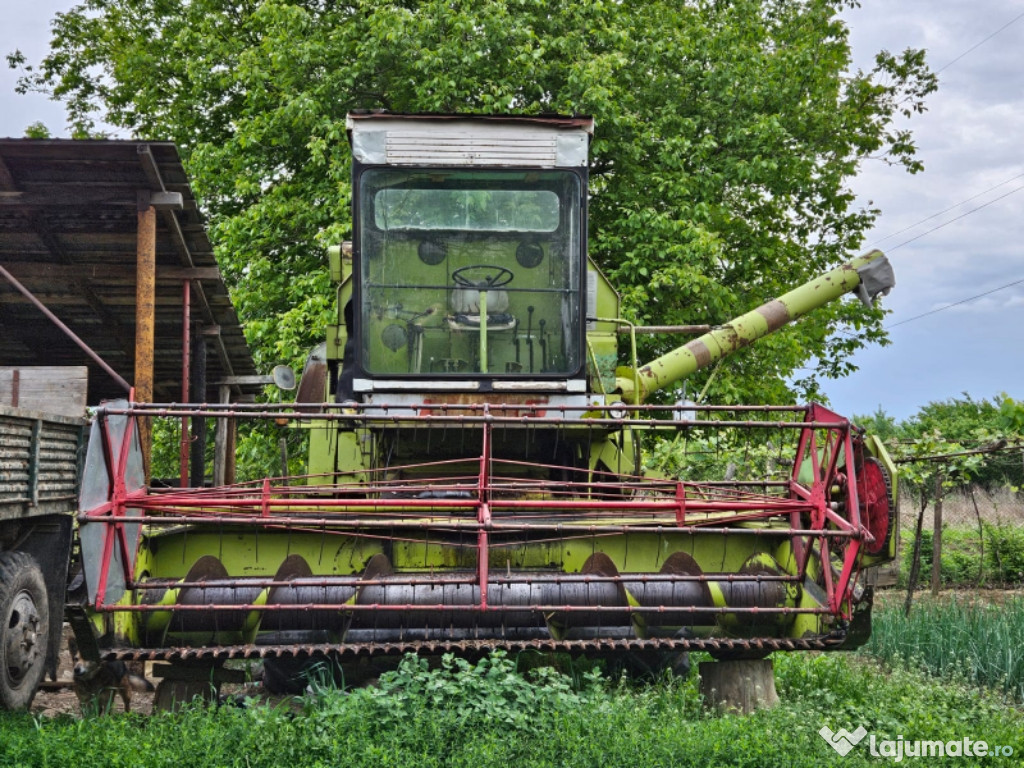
(475, 479)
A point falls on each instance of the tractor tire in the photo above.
(24, 629)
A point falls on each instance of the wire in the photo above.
(977, 45)
(957, 218)
(1016, 18)
(974, 47)
(955, 304)
(891, 235)
(933, 229)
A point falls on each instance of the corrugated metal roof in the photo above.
(68, 233)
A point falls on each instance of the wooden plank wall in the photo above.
(48, 389)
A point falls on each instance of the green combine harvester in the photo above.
(475, 477)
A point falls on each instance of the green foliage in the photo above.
(942, 439)
(880, 424)
(485, 715)
(1011, 414)
(994, 558)
(962, 563)
(956, 638)
(1005, 553)
(488, 694)
(727, 133)
(37, 130)
(962, 424)
(707, 454)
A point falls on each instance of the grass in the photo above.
(488, 715)
(956, 638)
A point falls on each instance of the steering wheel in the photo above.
(488, 276)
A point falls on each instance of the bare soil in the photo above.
(58, 698)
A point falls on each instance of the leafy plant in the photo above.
(993, 558)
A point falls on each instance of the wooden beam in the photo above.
(7, 183)
(145, 316)
(188, 273)
(244, 380)
(6, 178)
(220, 440)
(63, 196)
(28, 270)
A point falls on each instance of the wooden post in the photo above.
(229, 453)
(937, 536)
(915, 560)
(198, 388)
(739, 685)
(220, 441)
(186, 372)
(145, 315)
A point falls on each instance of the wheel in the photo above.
(486, 277)
(24, 629)
(874, 489)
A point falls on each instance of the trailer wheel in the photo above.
(24, 629)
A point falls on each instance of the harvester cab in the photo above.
(474, 476)
(467, 280)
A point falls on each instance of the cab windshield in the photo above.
(469, 272)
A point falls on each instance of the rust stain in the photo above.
(775, 314)
(448, 399)
(700, 351)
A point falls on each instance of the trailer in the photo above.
(41, 455)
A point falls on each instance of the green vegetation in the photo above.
(488, 715)
(958, 639)
(954, 428)
(993, 558)
(727, 134)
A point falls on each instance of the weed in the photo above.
(956, 638)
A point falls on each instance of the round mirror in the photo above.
(284, 377)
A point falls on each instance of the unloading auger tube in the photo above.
(869, 275)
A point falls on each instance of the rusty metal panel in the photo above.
(39, 461)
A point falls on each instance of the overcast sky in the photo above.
(972, 143)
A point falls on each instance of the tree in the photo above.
(727, 132)
(960, 444)
(966, 424)
(880, 424)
